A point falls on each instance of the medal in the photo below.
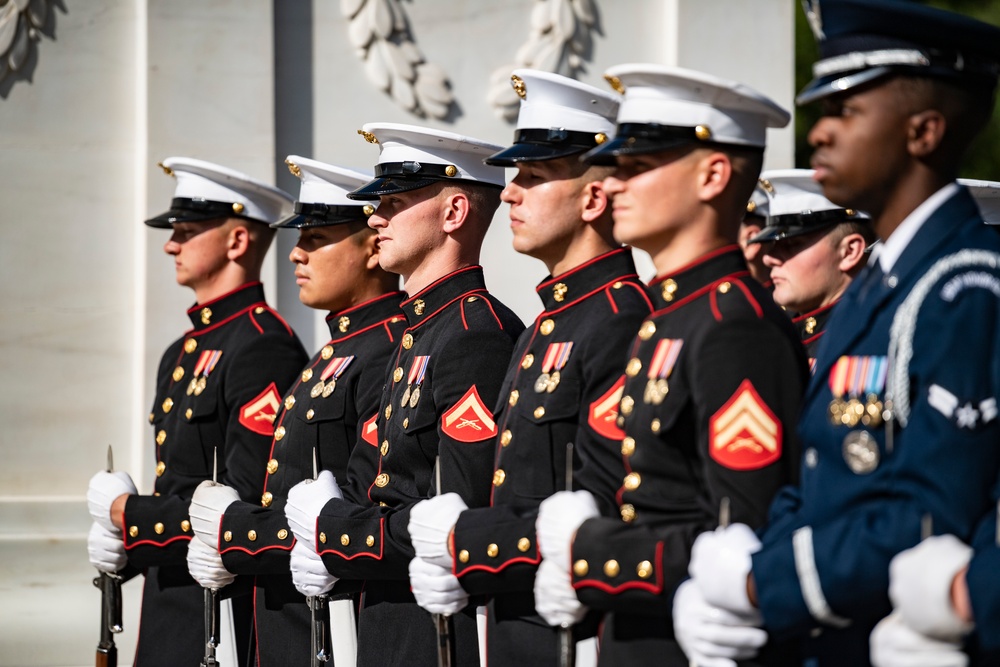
(660, 367)
(851, 378)
(191, 385)
(200, 387)
(861, 452)
(853, 412)
(317, 389)
(416, 377)
(554, 360)
(553, 382)
(328, 389)
(873, 412)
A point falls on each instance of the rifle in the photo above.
(211, 597)
(567, 647)
(444, 623)
(111, 608)
(322, 651)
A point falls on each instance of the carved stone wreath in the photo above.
(559, 41)
(21, 23)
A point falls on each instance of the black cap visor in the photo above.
(322, 215)
(185, 209)
(535, 145)
(781, 227)
(640, 138)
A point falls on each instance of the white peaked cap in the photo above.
(323, 194)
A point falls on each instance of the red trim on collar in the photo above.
(701, 260)
(199, 306)
(580, 267)
(441, 280)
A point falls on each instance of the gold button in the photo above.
(272, 466)
(644, 569)
(161, 437)
(406, 422)
(282, 534)
(724, 287)
(133, 531)
(581, 568)
(633, 367)
(151, 417)
(611, 568)
(523, 544)
(345, 539)
(527, 361)
(472, 299)
(185, 526)
(343, 324)
(654, 426)
(158, 528)
(810, 325)
(258, 310)
(382, 480)
(384, 449)
(492, 550)
(627, 404)
(668, 289)
(418, 306)
(206, 315)
(463, 556)
(703, 132)
(628, 446)
(322, 538)
(190, 345)
(370, 540)
(178, 373)
(407, 341)
(188, 413)
(647, 330)
(307, 374)
(279, 433)
(160, 467)
(310, 413)
(539, 412)
(397, 374)
(289, 402)
(506, 437)
(514, 395)
(559, 291)
(547, 327)
(628, 512)
(167, 404)
(632, 481)
(252, 535)
(617, 284)
(499, 476)
(228, 536)
(266, 499)
(326, 352)
(388, 411)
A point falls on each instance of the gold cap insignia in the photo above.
(294, 168)
(368, 209)
(600, 138)
(166, 170)
(517, 83)
(615, 83)
(703, 132)
(450, 170)
(766, 184)
(369, 137)
(751, 206)
(237, 208)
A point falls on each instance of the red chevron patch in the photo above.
(260, 411)
(603, 413)
(744, 434)
(369, 431)
(469, 420)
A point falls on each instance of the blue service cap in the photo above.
(861, 41)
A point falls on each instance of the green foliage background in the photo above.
(983, 160)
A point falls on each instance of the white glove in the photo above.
(309, 574)
(208, 504)
(104, 489)
(431, 523)
(555, 599)
(720, 563)
(710, 636)
(559, 517)
(106, 549)
(205, 565)
(437, 590)
(895, 644)
(920, 586)
(305, 501)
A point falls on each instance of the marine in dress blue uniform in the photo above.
(896, 427)
(218, 389)
(714, 375)
(442, 380)
(323, 414)
(565, 377)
